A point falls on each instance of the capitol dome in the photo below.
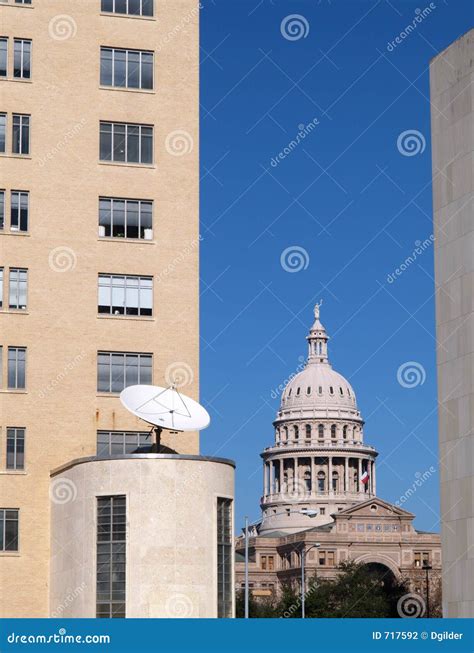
(318, 388)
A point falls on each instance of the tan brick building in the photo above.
(99, 247)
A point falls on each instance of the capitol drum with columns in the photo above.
(319, 457)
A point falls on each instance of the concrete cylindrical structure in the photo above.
(171, 533)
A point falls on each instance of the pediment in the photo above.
(374, 507)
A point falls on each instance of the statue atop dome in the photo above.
(317, 309)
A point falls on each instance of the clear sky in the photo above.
(353, 197)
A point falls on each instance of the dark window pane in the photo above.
(3, 126)
(105, 216)
(133, 144)
(134, 7)
(107, 5)
(133, 77)
(147, 70)
(120, 6)
(118, 375)
(132, 370)
(132, 219)
(106, 67)
(119, 142)
(118, 230)
(103, 373)
(3, 57)
(120, 68)
(11, 534)
(147, 145)
(106, 141)
(147, 7)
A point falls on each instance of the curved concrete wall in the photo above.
(171, 533)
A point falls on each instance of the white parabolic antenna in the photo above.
(165, 408)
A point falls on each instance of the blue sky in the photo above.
(354, 198)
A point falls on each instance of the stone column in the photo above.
(330, 475)
(281, 476)
(314, 479)
(374, 485)
(265, 482)
(346, 474)
(271, 479)
(359, 474)
(295, 475)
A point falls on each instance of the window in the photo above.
(15, 448)
(127, 143)
(267, 562)
(322, 511)
(321, 481)
(8, 529)
(124, 295)
(19, 210)
(308, 431)
(321, 431)
(18, 288)
(21, 58)
(3, 131)
(320, 390)
(224, 558)
(111, 556)
(118, 443)
(296, 432)
(126, 68)
(22, 2)
(335, 482)
(326, 558)
(422, 558)
(331, 390)
(122, 218)
(16, 368)
(130, 7)
(308, 390)
(116, 371)
(2, 209)
(344, 432)
(333, 431)
(3, 56)
(21, 134)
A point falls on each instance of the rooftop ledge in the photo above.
(142, 456)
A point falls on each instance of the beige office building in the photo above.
(99, 251)
(452, 117)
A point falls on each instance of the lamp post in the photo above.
(304, 551)
(427, 567)
(308, 513)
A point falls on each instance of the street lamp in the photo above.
(303, 511)
(427, 567)
(304, 551)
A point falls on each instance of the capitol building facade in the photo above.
(319, 492)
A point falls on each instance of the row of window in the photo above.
(119, 294)
(109, 443)
(126, 7)
(17, 288)
(115, 370)
(21, 58)
(20, 134)
(320, 391)
(118, 217)
(283, 432)
(119, 142)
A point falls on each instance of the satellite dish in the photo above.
(165, 408)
